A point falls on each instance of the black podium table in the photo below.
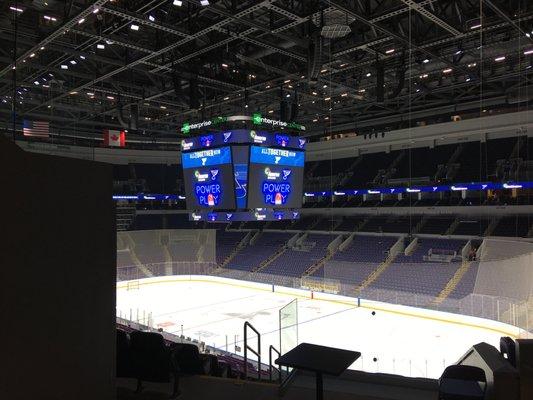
(320, 360)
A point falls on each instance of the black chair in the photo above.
(508, 350)
(189, 361)
(152, 360)
(462, 382)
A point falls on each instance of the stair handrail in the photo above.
(246, 348)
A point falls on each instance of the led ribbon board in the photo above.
(243, 136)
(275, 178)
(209, 179)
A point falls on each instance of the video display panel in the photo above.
(275, 178)
(209, 179)
(240, 156)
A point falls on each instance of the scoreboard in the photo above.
(276, 177)
(243, 175)
(208, 176)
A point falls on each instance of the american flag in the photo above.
(36, 128)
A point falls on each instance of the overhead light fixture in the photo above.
(389, 51)
(423, 76)
(314, 93)
(36, 83)
(476, 26)
(96, 10)
(447, 70)
(226, 98)
(82, 57)
(16, 9)
(287, 81)
(270, 111)
(32, 55)
(368, 74)
(81, 21)
(163, 107)
(288, 95)
(73, 62)
(362, 90)
(425, 60)
(327, 98)
(323, 71)
(500, 58)
(134, 27)
(49, 18)
(177, 3)
(64, 66)
(472, 65)
(528, 52)
(110, 97)
(73, 93)
(204, 2)
(90, 94)
(224, 65)
(42, 47)
(324, 86)
(100, 46)
(151, 18)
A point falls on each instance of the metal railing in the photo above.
(271, 366)
(248, 348)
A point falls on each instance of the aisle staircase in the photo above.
(270, 260)
(376, 273)
(452, 283)
(319, 264)
(232, 255)
(136, 261)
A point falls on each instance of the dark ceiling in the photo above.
(192, 62)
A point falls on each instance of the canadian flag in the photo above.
(114, 138)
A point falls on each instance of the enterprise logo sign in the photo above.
(257, 138)
(185, 145)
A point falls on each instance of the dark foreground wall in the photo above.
(57, 277)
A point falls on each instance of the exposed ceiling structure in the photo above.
(150, 65)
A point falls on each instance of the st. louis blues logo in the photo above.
(214, 174)
(301, 143)
(227, 136)
(229, 216)
(286, 173)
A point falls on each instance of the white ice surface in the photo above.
(215, 312)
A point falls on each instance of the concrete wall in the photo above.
(57, 277)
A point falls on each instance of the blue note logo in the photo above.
(301, 143)
(227, 136)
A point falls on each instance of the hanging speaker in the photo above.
(294, 108)
(176, 80)
(283, 110)
(380, 81)
(314, 57)
(194, 101)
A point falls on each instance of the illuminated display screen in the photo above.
(275, 178)
(240, 170)
(209, 180)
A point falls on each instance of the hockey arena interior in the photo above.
(266, 199)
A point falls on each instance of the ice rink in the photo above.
(215, 312)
